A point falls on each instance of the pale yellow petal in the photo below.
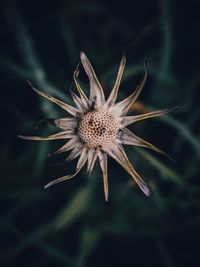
(66, 147)
(84, 98)
(61, 135)
(104, 166)
(126, 137)
(73, 111)
(113, 95)
(117, 152)
(123, 107)
(97, 97)
(132, 119)
(80, 164)
(78, 102)
(83, 158)
(76, 151)
(61, 179)
(92, 156)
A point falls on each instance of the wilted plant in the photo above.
(97, 128)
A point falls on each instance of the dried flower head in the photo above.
(97, 128)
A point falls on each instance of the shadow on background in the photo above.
(70, 224)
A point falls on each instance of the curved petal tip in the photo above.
(82, 55)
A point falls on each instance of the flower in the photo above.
(98, 127)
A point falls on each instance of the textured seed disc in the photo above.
(98, 128)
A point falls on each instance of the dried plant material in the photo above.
(98, 126)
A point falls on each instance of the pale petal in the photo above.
(104, 166)
(92, 156)
(78, 102)
(61, 179)
(66, 147)
(83, 158)
(66, 123)
(76, 151)
(84, 98)
(73, 111)
(132, 119)
(113, 95)
(117, 152)
(97, 97)
(123, 107)
(80, 164)
(61, 135)
(126, 137)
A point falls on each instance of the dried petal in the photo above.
(73, 111)
(61, 179)
(76, 151)
(126, 137)
(92, 157)
(78, 102)
(66, 147)
(132, 119)
(117, 152)
(104, 166)
(84, 98)
(61, 135)
(123, 107)
(97, 97)
(113, 95)
(80, 164)
(83, 158)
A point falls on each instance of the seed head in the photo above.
(98, 127)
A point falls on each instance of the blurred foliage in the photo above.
(70, 224)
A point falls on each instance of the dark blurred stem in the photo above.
(51, 251)
(193, 119)
(184, 132)
(164, 170)
(167, 45)
(34, 67)
(35, 72)
(166, 30)
(167, 260)
(68, 37)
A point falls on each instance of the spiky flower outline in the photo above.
(97, 127)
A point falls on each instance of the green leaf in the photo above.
(74, 209)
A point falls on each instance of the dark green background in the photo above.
(70, 224)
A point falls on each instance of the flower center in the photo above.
(98, 128)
